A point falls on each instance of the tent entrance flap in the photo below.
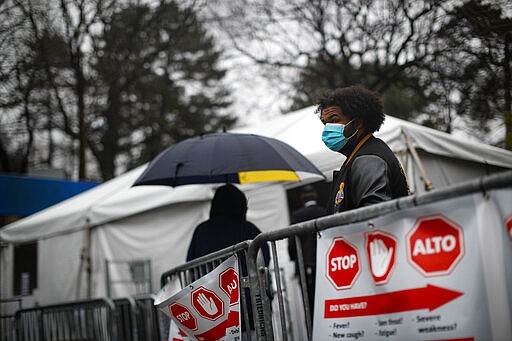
(428, 184)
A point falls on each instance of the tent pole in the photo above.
(88, 266)
(85, 262)
(428, 184)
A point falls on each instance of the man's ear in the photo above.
(359, 124)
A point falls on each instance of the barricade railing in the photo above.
(125, 318)
(137, 319)
(129, 319)
(82, 320)
(8, 319)
(195, 269)
(150, 323)
(265, 321)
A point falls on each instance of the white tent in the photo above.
(445, 159)
(115, 221)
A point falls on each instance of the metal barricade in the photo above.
(151, 324)
(125, 319)
(7, 318)
(82, 320)
(134, 275)
(265, 321)
(137, 319)
(193, 270)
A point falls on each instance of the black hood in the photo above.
(229, 201)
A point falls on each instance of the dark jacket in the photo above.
(373, 175)
(227, 225)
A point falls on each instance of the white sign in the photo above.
(436, 272)
(208, 309)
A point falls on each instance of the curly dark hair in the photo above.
(355, 101)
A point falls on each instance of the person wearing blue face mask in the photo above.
(371, 173)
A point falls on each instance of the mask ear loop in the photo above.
(355, 132)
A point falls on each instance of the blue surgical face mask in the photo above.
(333, 136)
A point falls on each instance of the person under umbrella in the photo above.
(226, 226)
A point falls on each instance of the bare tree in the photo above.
(476, 57)
(380, 43)
(117, 80)
(20, 96)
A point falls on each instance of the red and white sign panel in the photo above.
(229, 284)
(183, 315)
(381, 253)
(342, 264)
(440, 271)
(207, 303)
(208, 309)
(435, 245)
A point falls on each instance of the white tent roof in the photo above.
(116, 199)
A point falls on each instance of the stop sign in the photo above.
(342, 264)
(229, 284)
(509, 227)
(435, 245)
(207, 303)
(183, 316)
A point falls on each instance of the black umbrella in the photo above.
(228, 158)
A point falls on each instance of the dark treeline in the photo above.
(112, 82)
(98, 86)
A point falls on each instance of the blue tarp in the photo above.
(25, 195)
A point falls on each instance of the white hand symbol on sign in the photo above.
(208, 305)
(380, 257)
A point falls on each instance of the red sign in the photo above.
(430, 297)
(509, 227)
(381, 253)
(183, 315)
(435, 245)
(219, 331)
(207, 303)
(342, 264)
(229, 284)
